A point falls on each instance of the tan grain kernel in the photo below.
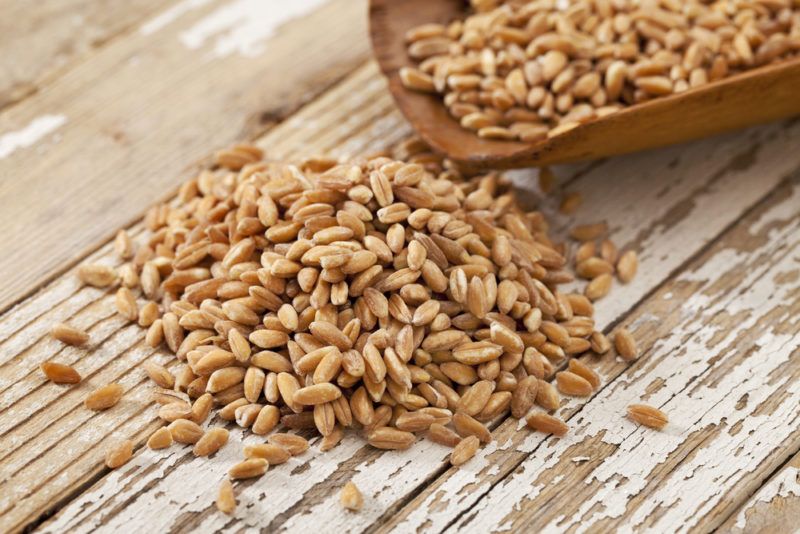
(159, 374)
(464, 451)
(160, 439)
(274, 454)
(185, 431)
(104, 397)
(351, 497)
(126, 304)
(69, 334)
(647, 416)
(627, 265)
(211, 441)
(118, 454)
(390, 438)
(467, 426)
(254, 467)
(584, 371)
(570, 383)
(625, 344)
(226, 500)
(442, 435)
(293, 443)
(60, 373)
(598, 287)
(97, 275)
(546, 423)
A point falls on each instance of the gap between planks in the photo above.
(670, 213)
(774, 507)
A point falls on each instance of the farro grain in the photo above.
(570, 383)
(160, 439)
(647, 416)
(468, 426)
(60, 373)
(104, 397)
(546, 423)
(547, 397)
(69, 334)
(385, 437)
(274, 454)
(119, 453)
(464, 451)
(254, 467)
(351, 497)
(442, 435)
(584, 371)
(174, 411)
(226, 500)
(97, 275)
(185, 431)
(625, 344)
(212, 440)
(598, 287)
(626, 266)
(293, 443)
(159, 374)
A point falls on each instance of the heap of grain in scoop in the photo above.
(526, 69)
(389, 296)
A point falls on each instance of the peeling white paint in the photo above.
(170, 15)
(242, 26)
(29, 135)
(179, 486)
(786, 484)
(699, 482)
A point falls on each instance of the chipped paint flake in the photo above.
(786, 484)
(29, 135)
(242, 26)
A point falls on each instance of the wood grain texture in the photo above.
(703, 189)
(719, 355)
(222, 71)
(42, 41)
(41, 463)
(706, 110)
(775, 507)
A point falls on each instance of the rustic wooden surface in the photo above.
(715, 306)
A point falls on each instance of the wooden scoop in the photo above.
(756, 96)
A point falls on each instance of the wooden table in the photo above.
(105, 107)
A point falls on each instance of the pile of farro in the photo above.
(529, 69)
(387, 295)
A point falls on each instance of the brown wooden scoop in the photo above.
(752, 97)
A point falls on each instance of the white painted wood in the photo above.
(37, 129)
(242, 26)
(697, 371)
(705, 196)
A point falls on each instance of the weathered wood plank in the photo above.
(719, 356)
(359, 110)
(101, 145)
(775, 507)
(666, 227)
(40, 43)
(42, 463)
(704, 194)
